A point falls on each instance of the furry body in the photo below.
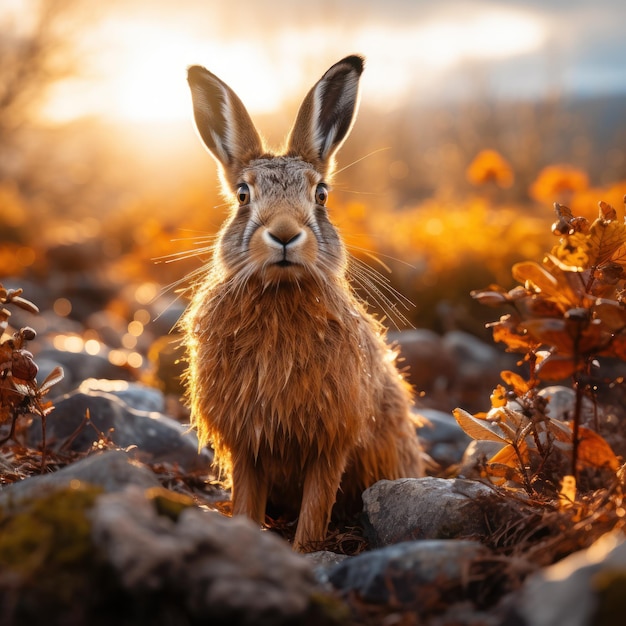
(289, 377)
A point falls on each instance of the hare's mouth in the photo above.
(284, 271)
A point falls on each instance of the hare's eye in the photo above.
(243, 194)
(321, 194)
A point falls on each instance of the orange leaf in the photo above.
(550, 332)
(475, 428)
(593, 450)
(555, 367)
(605, 239)
(607, 212)
(520, 386)
(538, 305)
(619, 256)
(498, 397)
(506, 456)
(572, 254)
(499, 473)
(516, 340)
(531, 272)
(489, 298)
(616, 348)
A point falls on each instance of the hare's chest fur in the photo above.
(280, 370)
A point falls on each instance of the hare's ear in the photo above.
(222, 121)
(325, 117)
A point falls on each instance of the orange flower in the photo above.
(489, 166)
(558, 183)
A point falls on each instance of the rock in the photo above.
(75, 556)
(325, 558)
(134, 395)
(478, 369)
(586, 588)
(424, 508)
(77, 366)
(155, 437)
(112, 471)
(421, 575)
(442, 437)
(216, 569)
(476, 453)
(76, 257)
(109, 326)
(322, 561)
(430, 366)
(469, 350)
(562, 403)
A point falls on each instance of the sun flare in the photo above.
(141, 75)
(136, 68)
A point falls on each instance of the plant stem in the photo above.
(579, 388)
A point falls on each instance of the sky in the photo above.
(134, 53)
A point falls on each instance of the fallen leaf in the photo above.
(475, 428)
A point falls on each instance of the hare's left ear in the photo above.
(326, 115)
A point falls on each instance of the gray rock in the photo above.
(424, 508)
(468, 349)
(77, 366)
(442, 437)
(325, 558)
(109, 326)
(322, 561)
(420, 575)
(219, 569)
(478, 369)
(153, 436)
(477, 452)
(136, 396)
(112, 471)
(562, 403)
(583, 589)
(430, 367)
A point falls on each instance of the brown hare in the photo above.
(289, 377)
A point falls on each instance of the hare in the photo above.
(289, 378)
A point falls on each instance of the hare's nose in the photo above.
(284, 239)
(284, 232)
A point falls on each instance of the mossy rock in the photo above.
(49, 570)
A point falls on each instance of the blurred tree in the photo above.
(36, 51)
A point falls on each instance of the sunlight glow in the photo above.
(137, 68)
(141, 75)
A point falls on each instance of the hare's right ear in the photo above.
(223, 122)
(325, 117)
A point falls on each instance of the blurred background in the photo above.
(475, 117)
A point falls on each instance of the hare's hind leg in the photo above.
(250, 489)
(321, 484)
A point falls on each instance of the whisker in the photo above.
(201, 244)
(367, 156)
(383, 282)
(183, 255)
(375, 257)
(382, 293)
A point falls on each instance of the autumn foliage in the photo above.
(20, 394)
(567, 313)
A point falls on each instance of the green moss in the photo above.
(45, 546)
(168, 503)
(610, 588)
(328, 609)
